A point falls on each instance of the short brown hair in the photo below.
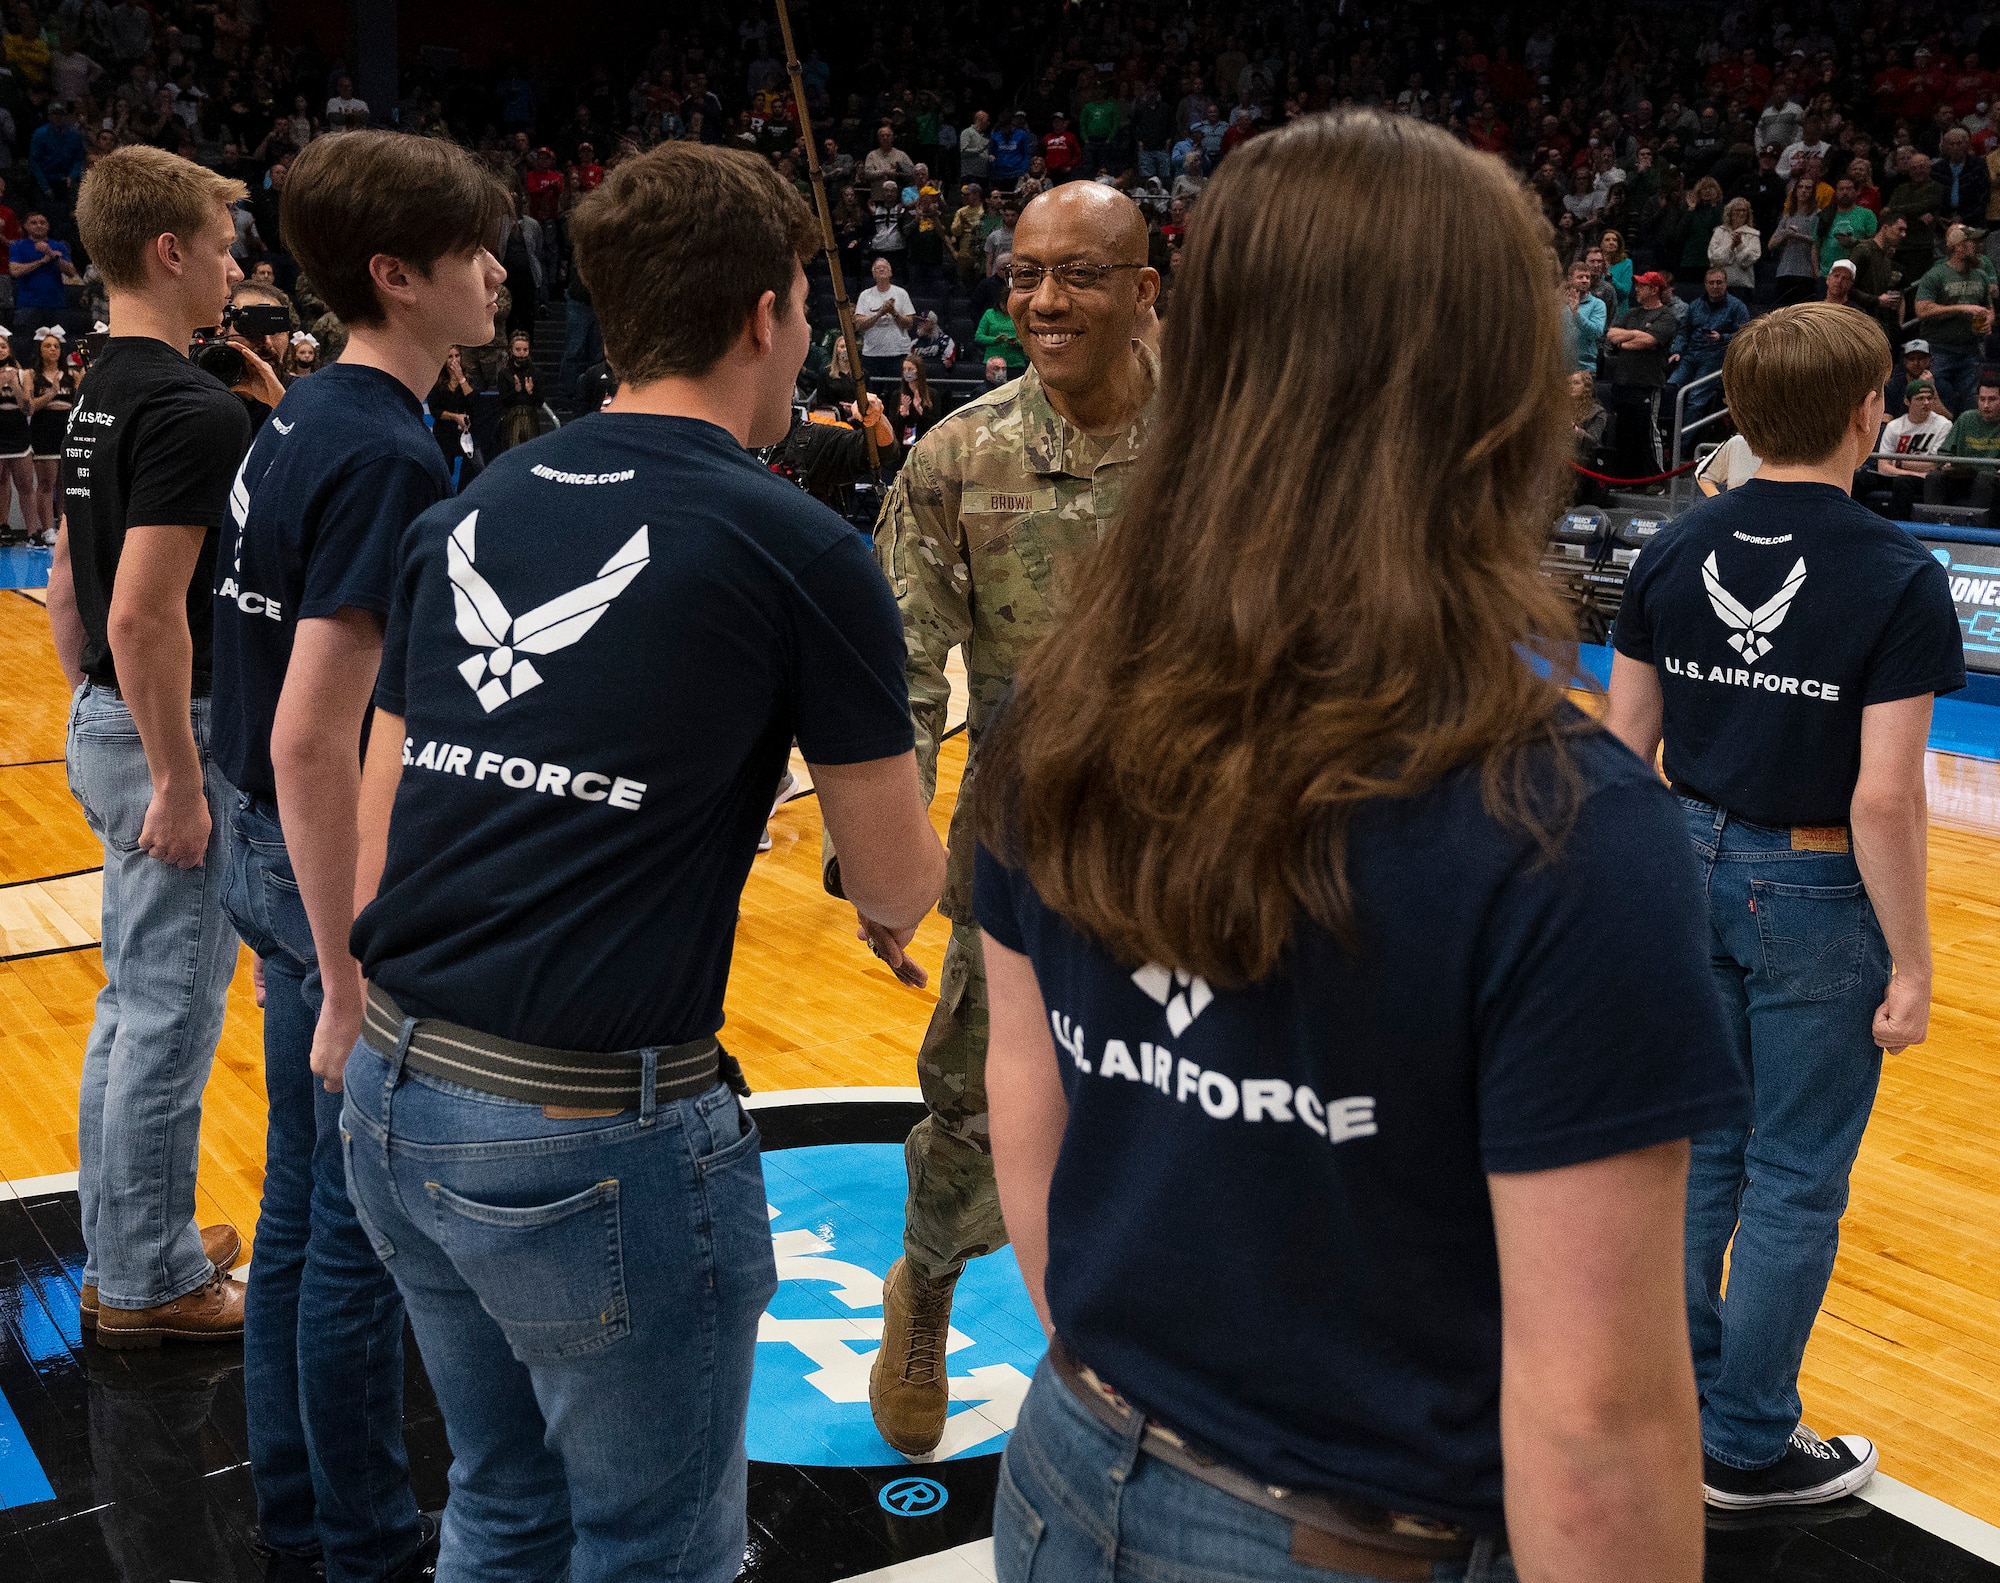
(677, 247)
(133, 196)
(1794, 377)
(353, 195)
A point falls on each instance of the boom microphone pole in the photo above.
(828, 242)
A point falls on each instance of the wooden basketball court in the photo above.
(1907, 1350)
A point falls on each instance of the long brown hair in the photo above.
(1325, 572)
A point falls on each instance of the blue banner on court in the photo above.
(22, 1481)
(837, 1224)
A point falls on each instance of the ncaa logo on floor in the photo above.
(837, 1225)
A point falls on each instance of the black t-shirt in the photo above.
(153, 442)
(1269, 1223)
(1646, 367)
(602, 651)
(1774, 614)
(319, 505)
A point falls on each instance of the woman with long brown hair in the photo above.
(51, 393)
(1351, 998)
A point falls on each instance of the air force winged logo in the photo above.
(499, 673)
(1751, 629)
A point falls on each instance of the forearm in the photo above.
(319, 791)
(1026, 1111)
(154, 657)
(380, 776)
(65, 623)
(1891, 849)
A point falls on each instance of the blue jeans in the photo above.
(1956, 375)
(323, 1324)
(1693, 366)
(583, 345)
(1079, 1504)
(586, 1294)
(1801, 966)
(1154, 162)
(169, 954)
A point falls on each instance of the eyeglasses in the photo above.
(1073, 277)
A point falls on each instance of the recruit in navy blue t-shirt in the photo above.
(1774, 614)
(342, 468)
(1269, 1223)
(602, 652)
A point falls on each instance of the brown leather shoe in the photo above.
(220, 1243)
(208, 1313)
(908, 1394)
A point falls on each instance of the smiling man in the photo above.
(978, 537)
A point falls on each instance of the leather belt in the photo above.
(582, 1079)
(1328, 1531)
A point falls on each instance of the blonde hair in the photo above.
(133, 196)
(1732, 207)
(1794, 377)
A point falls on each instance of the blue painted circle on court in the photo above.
(912, 1497)
(837, 1222)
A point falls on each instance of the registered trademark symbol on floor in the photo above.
(913, 1497)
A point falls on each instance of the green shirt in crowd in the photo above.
(1972, 435)
(1840, 231)
(996, 337)
(1953, 332)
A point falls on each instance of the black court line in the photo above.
(42, 603)
(21, 764)
(54, 950)
(44, 879)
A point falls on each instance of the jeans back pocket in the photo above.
(1017, 1531)
(1815, 937)
(552, 1276)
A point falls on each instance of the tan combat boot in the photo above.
(220, 1243)
(208, 1313)
(907, 1390)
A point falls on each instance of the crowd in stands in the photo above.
(1697, 165)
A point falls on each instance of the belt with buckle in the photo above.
(592, 1081)
(1328, 1531)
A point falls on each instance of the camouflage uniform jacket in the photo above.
(977, 538)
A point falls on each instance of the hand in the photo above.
(1904, 1017)
(257, 375)
(333, 1041)
(177, 826)
(1675, 358)
(257, 977)
(45, 250)
(888, 944)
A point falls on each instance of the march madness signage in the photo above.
(1974, 570)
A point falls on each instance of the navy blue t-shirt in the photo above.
(602, 652)
(1774, 615)
(1269, 1224)
(342, 468)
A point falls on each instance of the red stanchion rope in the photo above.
(1628, 483)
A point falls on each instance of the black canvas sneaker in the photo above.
(1812, 1470)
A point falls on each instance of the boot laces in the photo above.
(930, 1327)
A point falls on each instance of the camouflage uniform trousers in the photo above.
(953, 1213)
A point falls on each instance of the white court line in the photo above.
(971, 1563)
(39, 1186)
(1933, 1516)
(833, 1096)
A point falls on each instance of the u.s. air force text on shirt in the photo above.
(1774, 614)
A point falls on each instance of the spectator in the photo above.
(916, 405)
(885, 159)
(40, 267)
(1975, 433)
(1153, 134)
(1843, 224)
(997, 371)
(1583, 200)
(1811, 143)
(1962, 176)
(1916, 364)
(1954, 303)
(1704, 214)
(1734, 246)
(1893, 487)
(1062, 150)
(884, 315)
(997, 337)
(1000, 239)
(519, 403)
(1875, 276)
(1586, 318)
(1013, 148)
(975, 144)
(1643, 338)
(1795, 245)
(1919, 199)
(1588, 424)
(1601, 284)
(1703, 339)
(343, 109)
(55, 158)
(1617, 268)
(1840, 284)
(970, 225)
(450, 406)
(937, 351)
(889, 225)
(1730, 464)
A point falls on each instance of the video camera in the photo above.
(249, 321)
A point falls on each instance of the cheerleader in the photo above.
(17, 466)
(51, 394)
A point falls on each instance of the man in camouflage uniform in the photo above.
(977, 538)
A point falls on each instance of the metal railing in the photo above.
(1681, 488)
